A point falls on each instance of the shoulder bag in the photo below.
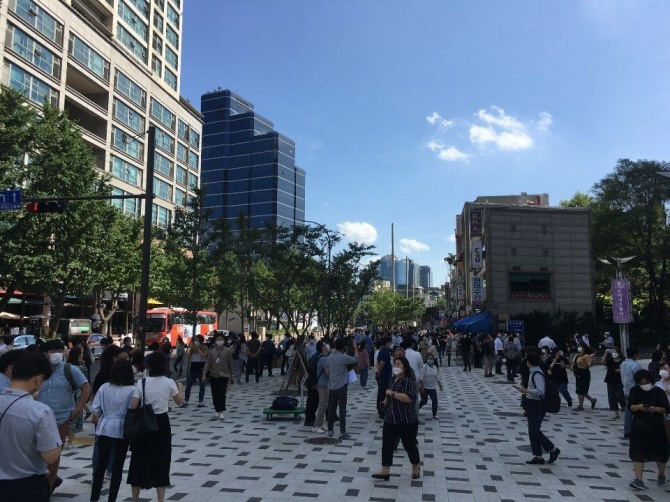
(141, 420)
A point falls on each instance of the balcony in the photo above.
(93, 128)
(97, 12)
(87, 91)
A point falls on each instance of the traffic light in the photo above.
(51, 206)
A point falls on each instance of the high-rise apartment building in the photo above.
(407, 272)
(114, 66)
(425, 277)
(248, 167)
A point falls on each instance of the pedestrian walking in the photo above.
(219, 365)
(628, 368)
(615, 397)
(428, 381)
(196, 357)
(363, 364)
(336, 367)
(581, 367)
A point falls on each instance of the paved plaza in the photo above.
(476, 451)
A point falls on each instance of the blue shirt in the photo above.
(320, 371)
(536, 384)
(4, 381)
(385, 357)
(110, 404)
(627, 371)
(57, 392)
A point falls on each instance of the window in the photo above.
(142, 6)
(181, 176)
(158, 22)
(131, 43)
(173, 16)
(34, 52)
(529, 285)
(164, 165)
(180, 198)
(88, 57)
(126, 171)
(42, 21)
(172, 36)
(160, 4)
(182, 130)
(130, 89)
(156, 65)
(157, 43)
(162, 190)
(170, 79)
(33, 88)
(161, 216)
(177, 3)
(125, 114)
(192, 181)
(195, 139)
(164, 141)
(127, 144)
(127, 206)
(162, 114)
(133, 20)
(193, 160)
(182, 153)
(171, 58)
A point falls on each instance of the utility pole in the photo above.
(392, 259)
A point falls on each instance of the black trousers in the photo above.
(253, 365)
(219, 386)
(499, 359)
(467, 361)
(118, 448)
(382, 386)
(432, 393)
(407, 433)
(337, 398)
(33, 488)
(615, 396)
(511, 368)
(311, 406)
(284, 364)
(449, 357)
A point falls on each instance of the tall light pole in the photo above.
(621, 299)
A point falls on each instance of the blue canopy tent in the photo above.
(482, 321)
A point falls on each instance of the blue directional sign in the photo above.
(10, 200)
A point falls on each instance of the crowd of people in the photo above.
(407, 370)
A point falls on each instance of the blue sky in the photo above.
(402, 110)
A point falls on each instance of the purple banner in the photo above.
(475, 222)
(620, 302)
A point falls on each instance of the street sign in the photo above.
(10, 200)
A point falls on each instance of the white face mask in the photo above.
(580, 349)
(219, 343)
(615, 355)
(647, 387)
(665, 374)
(56, 358)
(396, 371)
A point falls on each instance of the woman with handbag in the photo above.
(581, 367)
(648, 440)
(151, 453)
(400, 419)
(109, 411)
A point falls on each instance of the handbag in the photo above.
(141, 420)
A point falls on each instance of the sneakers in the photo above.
(536, 461)
(183, 404)
(637, 484)
(318, 430)
(216, 415)
(221, 416)
(344, 435)
(330, 434)
(661, 481)
(435, 417)
(201, 404)
(593, 403)
(553, 455)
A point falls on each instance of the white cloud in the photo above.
(500, 130)
(436, 118)
(452, 154)
(434, 146)
(410, 245)
(358, 231)
(545, 121)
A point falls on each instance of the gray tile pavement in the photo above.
(476, 451)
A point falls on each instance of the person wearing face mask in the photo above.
(557, 371)
(627, 370)
(29, 432)
(221, 370)
(581, 367)
(664, 382)
(648, 441)
(196, 355)
(57, 393)
(428, 380)
(612, 360)
(400, 419)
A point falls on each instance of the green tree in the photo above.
(630, 218)
(389, 309)
(579, 199)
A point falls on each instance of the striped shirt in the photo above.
(398, 412)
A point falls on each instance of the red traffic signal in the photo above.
(45, 207)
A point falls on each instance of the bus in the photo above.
(173, 322)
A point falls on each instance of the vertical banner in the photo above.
(475, 223)
(477, 289)
(460, 292)
(620, 301)
(459, 227)
(476, 254)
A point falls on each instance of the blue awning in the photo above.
(482, 321)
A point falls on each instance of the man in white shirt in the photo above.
(413, 357)
(498, 346)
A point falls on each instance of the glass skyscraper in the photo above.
(247, 167)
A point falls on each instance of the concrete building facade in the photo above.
(518, 258)
(114, 66)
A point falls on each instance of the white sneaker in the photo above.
(221, 416)
(216, 415)
(318, 430)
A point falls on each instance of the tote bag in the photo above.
(141, 420)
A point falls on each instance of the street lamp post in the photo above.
(623, 318)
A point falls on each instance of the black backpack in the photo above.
(552, 399)
(284, 403)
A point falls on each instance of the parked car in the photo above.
(94, 344)
(22, 341)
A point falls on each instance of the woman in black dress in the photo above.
(648, 441)
(612, 360)
(151, 453)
